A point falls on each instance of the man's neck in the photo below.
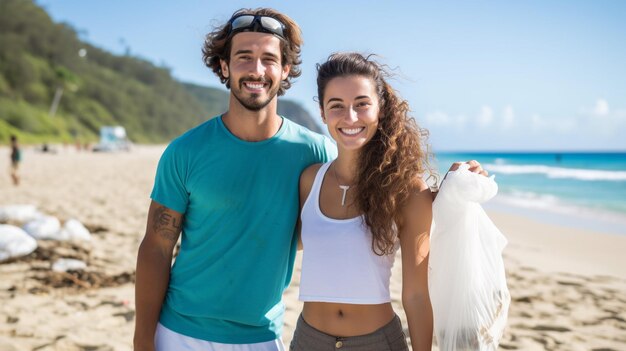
(251, 125)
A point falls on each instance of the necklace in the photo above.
(345, 188)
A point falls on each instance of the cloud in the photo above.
(442, 119)
(595, 126)
(544, 125)
(460, 120)
(508, 117)
(619, 115)
(485, 117)
(601, 108)
(603, 121)
(597, 121)
(437, 118)
(537, 123)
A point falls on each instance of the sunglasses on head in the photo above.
(256, 23)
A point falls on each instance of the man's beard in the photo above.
(252, 103)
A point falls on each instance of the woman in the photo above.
(357, 211)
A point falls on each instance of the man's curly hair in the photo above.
(217, 45)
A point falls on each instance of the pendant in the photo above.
(343, 197)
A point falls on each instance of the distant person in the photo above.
(16, 158)
(47, 149)
(230, 186)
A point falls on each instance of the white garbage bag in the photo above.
(467, 282)
(44, 227)
(15, 242)
(74, 230)
(18, 213)
(68, 264)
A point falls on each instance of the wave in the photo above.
(551, 208)
(547, 202)
(558, 172)
(530, 200)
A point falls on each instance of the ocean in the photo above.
(586, 190)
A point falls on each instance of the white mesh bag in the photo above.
(466, 278)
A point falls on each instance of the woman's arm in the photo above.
(414, 234)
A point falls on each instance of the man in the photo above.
(231, 186)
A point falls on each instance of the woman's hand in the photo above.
(474, 167)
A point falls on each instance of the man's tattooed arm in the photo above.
(154, 261)
(164, 225)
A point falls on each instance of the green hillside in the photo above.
(40, 58)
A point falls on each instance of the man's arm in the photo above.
(154, 261)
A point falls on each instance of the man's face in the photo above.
(255, 69)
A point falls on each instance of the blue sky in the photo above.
(480, 75)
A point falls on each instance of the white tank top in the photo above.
(338, 264)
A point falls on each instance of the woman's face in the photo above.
(350, 111)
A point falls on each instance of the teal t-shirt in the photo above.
(240, 205)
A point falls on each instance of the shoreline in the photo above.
(560, 213)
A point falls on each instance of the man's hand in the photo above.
(475, 167)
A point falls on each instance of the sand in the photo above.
(568, 286)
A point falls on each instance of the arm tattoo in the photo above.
(166, 225)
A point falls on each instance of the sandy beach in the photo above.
(568, 286)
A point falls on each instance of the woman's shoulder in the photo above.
(417, 210)
(420, 195)
(307, 178)
(420, 186)
(308, 174)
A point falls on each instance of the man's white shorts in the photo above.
(169, 340)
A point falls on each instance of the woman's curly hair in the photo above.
(217, 45)
(393, 161)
